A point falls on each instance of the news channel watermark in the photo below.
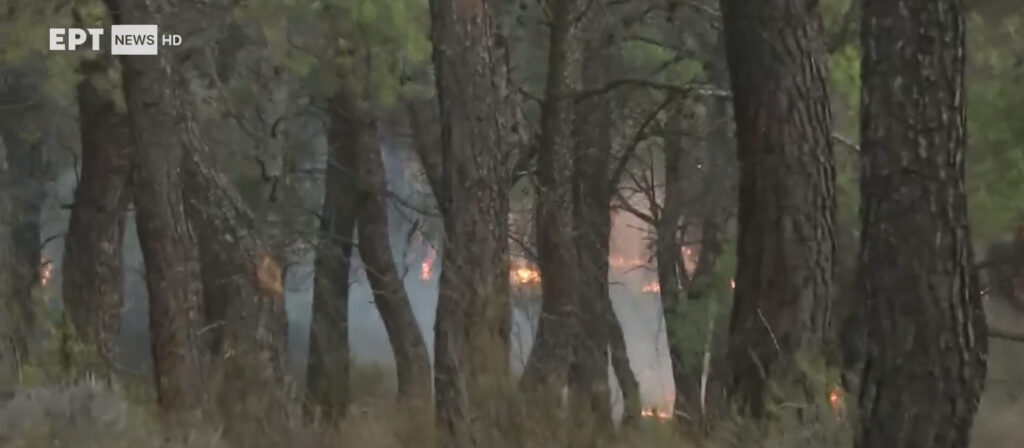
(128, 40)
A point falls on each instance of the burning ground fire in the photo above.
(521, 272)
(652, 287)
(45, 272)
(835, 399)
(427, 266)
(656, 413)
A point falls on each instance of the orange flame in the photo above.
(652, 287)
(46, 272)
(835, 398)
(522, 274)
(427, 266)
(655, 413)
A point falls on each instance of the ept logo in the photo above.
(124, 39)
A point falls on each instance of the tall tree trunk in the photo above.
(785, 269)
(471, 346)
(169, 251)
(411, 359)
(926, 333)
(547, 367)
(589, 389)
(92, 270)
(21, 196)
(240, 271)
(327, 374)
(671, 273)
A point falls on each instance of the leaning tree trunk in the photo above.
(168, 250)
(240, 272)
(471, 346)
(412, 362)
(925, 328)
(92, 269)
(787, 191)
(327, 374)
(553, 352)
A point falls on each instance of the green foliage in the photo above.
(372, 44)
(995, 159)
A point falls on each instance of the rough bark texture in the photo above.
(240, 272)
(473, 313)
(21, 197)
(672, 275)
(412, 362)
(92, 269)
(168, 249)
(925, 328)
(589, 389)
(784, 280)
(327, 374)
(547, 367)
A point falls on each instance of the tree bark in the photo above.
(785, 269)
(926, 335)
(239, 271)
(471, 347)
(168, 249)
(21, 196)
(411, 359)
(92, 269)
(672, 275)
(327, 374)
(553, 352)
(589, 389)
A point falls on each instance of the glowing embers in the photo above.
(835, 399)
(659, 414)
(427, 265)
(524, 274)
(45, 272)
(652, 287)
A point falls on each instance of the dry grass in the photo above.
(92, 415)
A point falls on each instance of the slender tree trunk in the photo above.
(553, 351)
(785, 274)
(411, 359)
(327, 374)
(168, 249)
(925, 329)
(92, 269)
(671, 273)
(473, 314)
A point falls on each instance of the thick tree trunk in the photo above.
(240, 273)
(785, 274)
(327, 374)
(547, 367)
(168, 250)
(589, 388)
(412, 361)
(21, 196)
(925, 328)
(471, 346)
(92, 269)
